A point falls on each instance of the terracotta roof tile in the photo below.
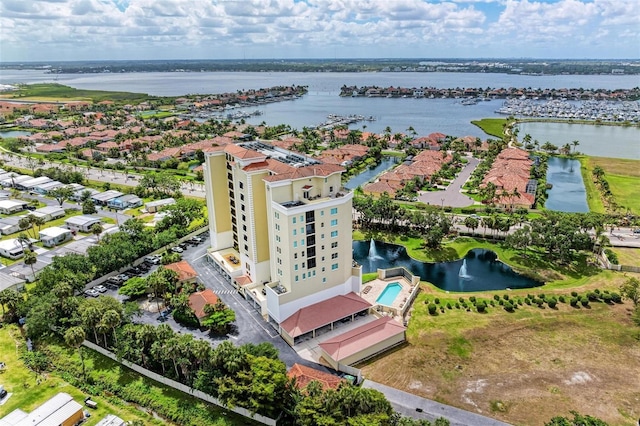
(183, 269)
(198, 300)
(305, 375)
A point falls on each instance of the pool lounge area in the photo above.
(392, 291)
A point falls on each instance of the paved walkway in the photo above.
(408, 405)
(452, 196)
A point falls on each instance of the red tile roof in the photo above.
(198, 300)
(305, 375)
(363, 337)
(323, 313)
(183, 269)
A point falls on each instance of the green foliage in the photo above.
(578, 420)
(219, 318)
(433, 309)
(134, 287)
(584, 301)
(630, 289)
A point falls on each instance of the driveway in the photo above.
(452, 196)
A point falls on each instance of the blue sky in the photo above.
(46, 30)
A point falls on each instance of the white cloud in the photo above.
(91, 29)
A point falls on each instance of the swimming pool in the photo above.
(389, 294)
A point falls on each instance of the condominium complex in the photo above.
(280, 226)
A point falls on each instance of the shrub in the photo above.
(505, 297)
(448, 305)
(592, 296)
(519, 301)
(616, 297)
(436, 301)
(539, 302)
(527, 301)
(612, 256)
(426, 301)
(574, 301)
(464, 305)
(552, 303)
(596, 291)
(461, 299)
(542, 296)
(433, 309)
(501, 302)
(574, 293)
(529, 296)
(562, 299)
(496, 297)
(457, 305)
(481, 306)
(584, 301)
(472, 299)
(492, 303)
(606, 298)
(508, 306)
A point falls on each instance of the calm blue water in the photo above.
(601, 141)
(568, 193)
(13, 133)
(424, 115)
(368, 175)
(389, 294)
(484, 271)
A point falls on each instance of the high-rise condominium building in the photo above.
(280, 226)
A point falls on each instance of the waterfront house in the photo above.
(54, 236)
(81, 223)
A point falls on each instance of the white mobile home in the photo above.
(49, 213)
(15, 179)
(46, 187)
(11, 249)
(77, 196)
(55, 235)
(9, 281)
(154, 206)
(12, 206)
(103, 198)
(33, 182)
(81, 223)
(9, 225)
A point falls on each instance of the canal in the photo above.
(369, 174)
(568, 193)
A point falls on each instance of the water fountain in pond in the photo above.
(373, 254)
(463, 271)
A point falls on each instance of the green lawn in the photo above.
(627, 256)
(594, 199)
(491, 126)
(59, 92)
(626, 191)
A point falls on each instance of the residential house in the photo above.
(9, 225)
(12, 206)
(54, 236)
(32, 183)
(9, 281)
(15, 179)
(155, 206)
(128, 201)
(49, 213)
(102, 198)
(46, 187)
(60, 410)
(79, 193)
(81, 223)
(11, 248)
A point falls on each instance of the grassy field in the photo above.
(622, 175)
(29, 390)
(627, 256)
(492, 126)
(58, 92)
(523, 367)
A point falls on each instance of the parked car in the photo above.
(154, 259)
(91, 293)
(3, 392)
(177, 249)
(196, 240)
(100, 289)
(114, 281)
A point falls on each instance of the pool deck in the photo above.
(373, 289)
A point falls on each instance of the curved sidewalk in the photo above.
(451, 196)
(406, 404)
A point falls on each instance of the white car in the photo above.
(100, 288)
(91, 293)
(177, 249)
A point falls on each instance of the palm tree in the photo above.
(30, 258)
(111, 319)
(74, 337)
(575, 144)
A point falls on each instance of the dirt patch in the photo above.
(527, 367)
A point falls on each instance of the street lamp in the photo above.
(442, 203)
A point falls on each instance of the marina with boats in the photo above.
(603, 111)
